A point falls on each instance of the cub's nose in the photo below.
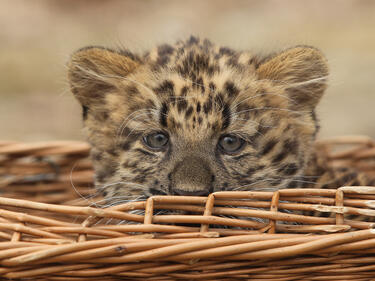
(191, 177)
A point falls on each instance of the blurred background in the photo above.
(38, 36)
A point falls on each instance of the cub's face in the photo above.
(193, 118)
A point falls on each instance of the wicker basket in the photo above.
(53, 225)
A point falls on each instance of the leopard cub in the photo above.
(194, 118)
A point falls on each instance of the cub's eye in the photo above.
(230, 143)
(156, 140)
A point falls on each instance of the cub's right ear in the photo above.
(302, 70)
(94, 71)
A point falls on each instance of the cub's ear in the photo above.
(302, 71)
(94, 71)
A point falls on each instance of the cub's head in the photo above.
(194, 118)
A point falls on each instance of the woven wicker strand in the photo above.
(52, 225)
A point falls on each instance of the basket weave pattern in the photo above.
(53, 226)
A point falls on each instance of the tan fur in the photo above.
(196, 93)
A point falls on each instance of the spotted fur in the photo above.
(195, 92)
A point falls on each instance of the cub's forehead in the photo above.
(196, 106)
(195, 56)
(196, 88)
(201, 107)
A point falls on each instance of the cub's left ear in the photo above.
(303, 72)
(95, 71)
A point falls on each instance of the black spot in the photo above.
(226, 116)
(126, 145)
(184, 91)
(201, 62)
(212, 86)
(181, 105)
(215, 126)
(252, 170)
(180, 52)
(231, 89)
(102, 174)
(194, 64)
(198, 107)
(280, 156)
(193, 40)
(200, 120)
(163, 115)
(164, 50)
(162, 60)
(268, 147)
(275, 182)
(207, 107)
(291, 146)
(212, 69)
(200, 84)
(225, 186)
(184, 69)
(226, 51)
(85, 110)
(233, 61)
(288, 169)
(167, 87)
(218, 99)
(189, 111)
